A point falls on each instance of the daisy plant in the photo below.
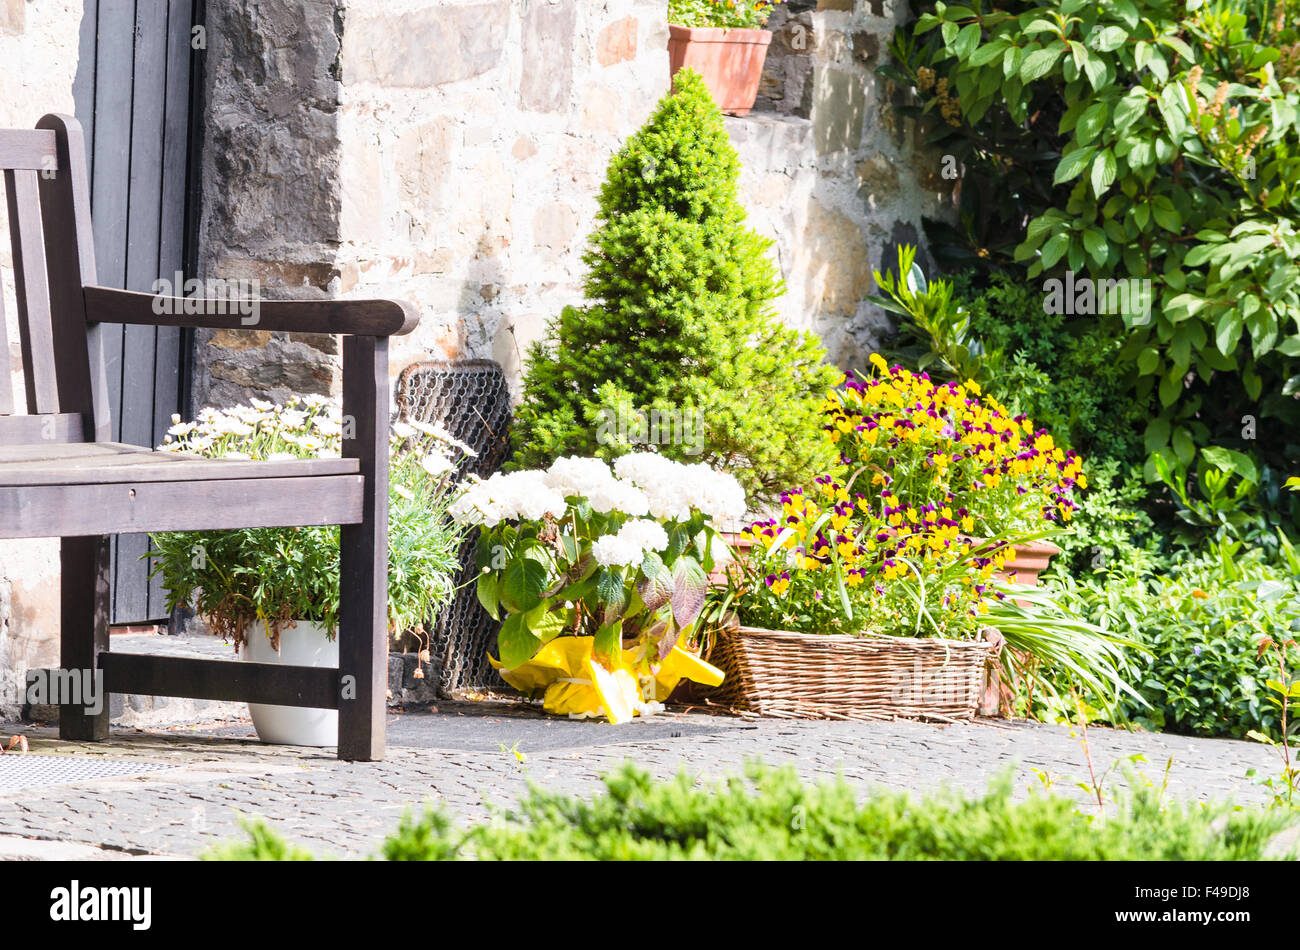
(283, 575)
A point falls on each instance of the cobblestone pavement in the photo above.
(461, 756)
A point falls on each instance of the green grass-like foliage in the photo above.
(679, 320)
(772, 815)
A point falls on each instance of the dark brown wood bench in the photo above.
(61, 476)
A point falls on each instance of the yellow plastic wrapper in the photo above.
(572, 683)
(681, 665)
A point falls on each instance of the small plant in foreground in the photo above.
(262, 844)
(1282, 691)
(774, 815)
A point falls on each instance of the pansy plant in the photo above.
(939, 485)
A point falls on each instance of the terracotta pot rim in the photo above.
(1039, 547)
(718, 34)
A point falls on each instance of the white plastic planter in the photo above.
(303, 645)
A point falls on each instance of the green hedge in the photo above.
(772, 815)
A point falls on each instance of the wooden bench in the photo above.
(61, 475)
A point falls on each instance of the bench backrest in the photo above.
(48, 198)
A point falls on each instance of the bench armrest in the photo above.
(377, 318)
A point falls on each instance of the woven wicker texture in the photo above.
(806, 676)
(471, 400)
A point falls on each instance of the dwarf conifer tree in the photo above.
(678, 344)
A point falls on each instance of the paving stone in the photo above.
(454, 758)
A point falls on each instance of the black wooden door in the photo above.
(133, 97)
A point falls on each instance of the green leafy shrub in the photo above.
(1063, 371)
(263, 843)
(1143, 139)
(746, 14)
(679, 321)
(1202, 621)
(1112, 525)
(774, 816)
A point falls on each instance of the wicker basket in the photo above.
(808, 676)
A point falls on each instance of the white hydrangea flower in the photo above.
(619, 496)
(573, 475)
(592, 479)
(646, 534)
(630, 544)
(673, 488)
(508, 497)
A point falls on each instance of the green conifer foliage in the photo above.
(679, 320)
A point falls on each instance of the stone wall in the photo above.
(38, 64)
(831, 172)
(449, 152)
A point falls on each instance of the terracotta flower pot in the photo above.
(730, 61)
(739, 546)
(1030, 560)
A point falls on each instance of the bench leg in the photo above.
(84, 631)
(363, 588)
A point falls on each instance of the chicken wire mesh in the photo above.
(471, 400)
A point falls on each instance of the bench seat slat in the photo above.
(127, 507)
(51, 463)
(223, 680)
